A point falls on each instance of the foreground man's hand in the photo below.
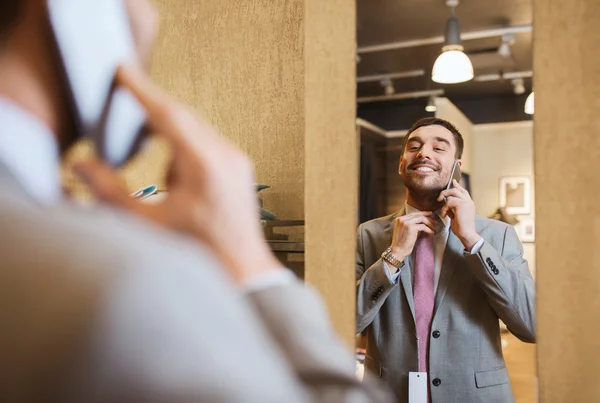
(211, 183)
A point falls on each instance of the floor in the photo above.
(520, 362)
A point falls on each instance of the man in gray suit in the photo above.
(178, 302)
(433, 280)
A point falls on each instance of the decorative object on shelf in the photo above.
(264, 213)
(150, 195)
(279, 242)
(527, 229)
(283, 247)
(515, 194)
(145, 192)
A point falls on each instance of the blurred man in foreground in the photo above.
(178, 302)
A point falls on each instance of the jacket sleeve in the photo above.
(373, 285)
(319, 361)
(506, 280)
(169, 330)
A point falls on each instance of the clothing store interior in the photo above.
(327, 201)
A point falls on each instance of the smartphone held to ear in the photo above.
(92, 38)
(455, 175)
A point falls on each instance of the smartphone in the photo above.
(455, 175)
(91, 39)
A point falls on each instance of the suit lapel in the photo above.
(406, 271)
(454, 249)
(406, 280)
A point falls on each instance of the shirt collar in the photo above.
(411, 210)
(29, 150)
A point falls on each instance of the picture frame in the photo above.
(527, 229)
(515, 194)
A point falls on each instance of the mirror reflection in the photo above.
(445, 269)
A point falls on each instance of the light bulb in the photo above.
(452, 67)
(518, 86)
(529, 104)
(504, 49)
(431, 105)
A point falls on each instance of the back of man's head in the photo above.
(10, 10)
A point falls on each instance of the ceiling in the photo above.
(384, 21)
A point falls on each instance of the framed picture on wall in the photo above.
(527, 229)
(515, 194)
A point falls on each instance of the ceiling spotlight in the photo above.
(518, 86)
(388, 86)
(431, 105)
(505, 49)
(529, 104)
(453, 65)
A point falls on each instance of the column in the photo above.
(567, 162)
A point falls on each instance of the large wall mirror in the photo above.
(468, 63)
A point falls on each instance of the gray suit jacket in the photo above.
(98, 306)
(473, 292)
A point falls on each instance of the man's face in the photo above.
(428, 158)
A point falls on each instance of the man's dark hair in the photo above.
(10, 11)
(458, 138)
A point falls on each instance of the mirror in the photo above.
(468, 63)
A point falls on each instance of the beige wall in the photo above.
(501, 150)
(277, 77)
(332, 154)
(450, 112)
(567, 162)
(242, 65)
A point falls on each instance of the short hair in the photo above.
(458, 138)
(10, 11)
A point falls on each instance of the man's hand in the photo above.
(460, 208)
(211, 183)
(406, 231)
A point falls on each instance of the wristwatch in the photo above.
(391, 259)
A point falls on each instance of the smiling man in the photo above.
(434, 279)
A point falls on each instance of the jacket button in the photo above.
(436, 334)
(436, 382)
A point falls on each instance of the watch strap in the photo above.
(389, 257)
